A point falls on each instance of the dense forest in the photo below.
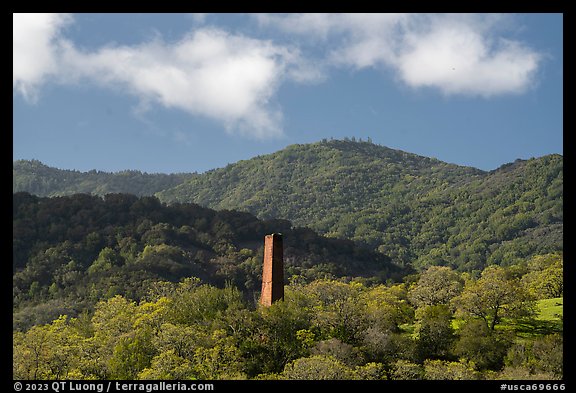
(36, 178)
(69, 252)
(439, 324)
(397, 267)
(419, 211)
(121, 287)
(415, 209)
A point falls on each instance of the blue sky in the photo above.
(191, 92)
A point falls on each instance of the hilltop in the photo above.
(418, 210)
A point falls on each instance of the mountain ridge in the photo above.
(69, 251)
(400, 203)
(40, 179)
(418, 210)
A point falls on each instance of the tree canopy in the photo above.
(71, 251)
(417, 210)
(325, 329)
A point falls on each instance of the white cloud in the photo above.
(210, 73)
(226, 77)
(233, 79)
(463, 58)
(35, 45)
(457, 54)
(354, 39)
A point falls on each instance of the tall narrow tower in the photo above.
(273, 271)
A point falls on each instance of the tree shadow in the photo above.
(537, 327)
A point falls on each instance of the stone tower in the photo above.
(273, 271)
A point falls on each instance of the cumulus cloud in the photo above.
(233, 79)
(35, 43)
(456, 54)
(359, 40)
(461, 57)
(210, 73)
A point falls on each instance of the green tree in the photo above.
(135, 350)
(169, 366)
(220, 359)
(493, 296)
(406, 370)
(386, 347)
(113, 323)
(132, 354)
(445, 370)
(49, 351)
(387, 307)
(546, 278)
(434, 331)
(30, 350)
(371, 371)
(203, 304)
(437, 285)
(318, 367)
(106, 259)
(340, 312)
(484, 347)
(183, 340)
(280, 323)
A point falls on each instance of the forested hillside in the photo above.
(39, 179)
(418, 210)
(127, 287)
(124, 287)
(505, 324)
(70, 252)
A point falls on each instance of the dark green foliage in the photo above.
(318, 367)
(160, 291)
(39, 179)
(415, 209)
(438, 285)
(276, 340)
(546, 276)
(482, 346)
(495, 295)
(71, 251)
(193, 330)
(435, 332)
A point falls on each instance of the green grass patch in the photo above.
(551, 309)
(548, 320)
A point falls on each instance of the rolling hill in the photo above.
(418, 210)
(36, 178)
(71, 251)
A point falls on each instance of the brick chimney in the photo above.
(273, 271)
